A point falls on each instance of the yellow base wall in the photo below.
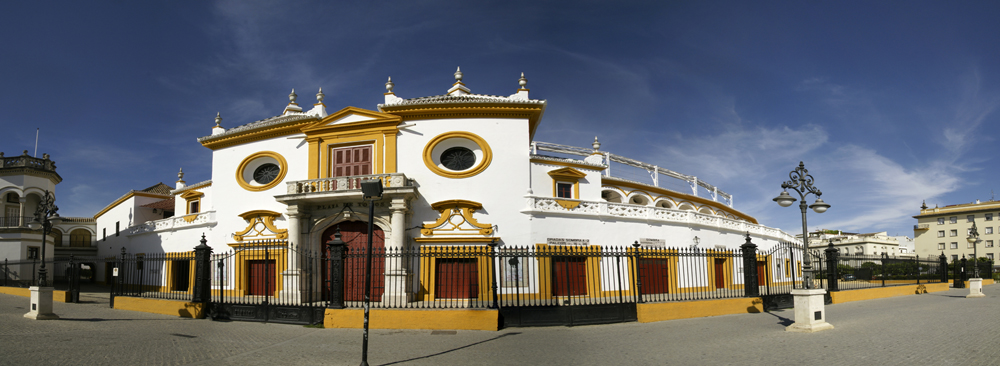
(986, 281)
(696, 309)
(413, 319)
(840, 297)
(60, 296)
(157, 306)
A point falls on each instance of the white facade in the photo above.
(458, 170)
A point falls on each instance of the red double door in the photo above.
(569, 276)
(456, 278)
(355, 236)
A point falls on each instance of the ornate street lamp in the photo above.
(371, 190)
(810, 314)
(973, 240)
(41, 294)
(45, 218)
(802, 183)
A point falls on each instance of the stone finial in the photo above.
(292, 97)
(522, 81)
(218, 119)
(180, 175)
(458, 75)
(596, 144)
(319, 96)
(1, 154)
(25, 153)
(923, 206)
(45, 156)
(389, 85)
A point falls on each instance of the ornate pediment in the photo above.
(351, 117)
(457, 220)
(260, 226)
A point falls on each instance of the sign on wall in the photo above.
(652, 242)
(567, 241)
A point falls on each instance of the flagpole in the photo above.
(36, 142)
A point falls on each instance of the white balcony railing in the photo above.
(392, 180)
(173, 223)
(597, 209)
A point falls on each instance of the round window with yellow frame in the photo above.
(457, 154)
(261, 171)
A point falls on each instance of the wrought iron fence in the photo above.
(857, 271)
(167, 276)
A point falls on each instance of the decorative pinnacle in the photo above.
(389, 85)
(291, 97)
(522, 81)
(218, 119)
(319, 96)
(923, 206)
(180, 174)
(458, 75)
(597, 144)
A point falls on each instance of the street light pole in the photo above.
(810, 314)
(46, 216)
(974, 239)
(802, 183)
(371, 190)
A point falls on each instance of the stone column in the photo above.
(396, 275)
(292, 286)
(20, 219)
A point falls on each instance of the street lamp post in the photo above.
(46, 217)
(371, 190)
(975, 283)
(809, 303)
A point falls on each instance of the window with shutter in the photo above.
(348, 161)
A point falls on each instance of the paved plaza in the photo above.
(942, 328)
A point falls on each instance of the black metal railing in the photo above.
(167, 276)
(857, 271)
(15, 221)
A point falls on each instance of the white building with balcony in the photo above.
(459, 170)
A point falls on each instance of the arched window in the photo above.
(79, 238)
(56, 237)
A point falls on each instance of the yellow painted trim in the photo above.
(262, 134)
(532, 113)
(280, 258)
(428, 277)
(840, 297)
(264, 217)
(569, 205)
(192, 187)
(57, 295)
(451, 208)
(479, 168)
(182, 309)
(126, 197)
(566, 164)
(452, 239)
(414, 319)
(380, 131)
(568, 174)
(282, 164)
(648, 313)
(190, 218)
(606, 183)
(192, 194)
(592, 269)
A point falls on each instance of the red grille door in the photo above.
(569, 275)
(457, 278)
(654, 276)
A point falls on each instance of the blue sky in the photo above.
(887, 103)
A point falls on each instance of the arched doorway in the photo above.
(355, 236)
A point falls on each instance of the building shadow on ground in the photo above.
(452, 350)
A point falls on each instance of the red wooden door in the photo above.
(762, 273)
(354, 160)
(655, 278)
(569, 275)
(260, 277)
(456, 278)
(355, 236)
(720, 273)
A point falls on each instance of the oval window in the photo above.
(458, 158)
(266, 173)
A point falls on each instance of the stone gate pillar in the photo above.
(396, 274)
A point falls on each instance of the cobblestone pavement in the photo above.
(941, 328)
